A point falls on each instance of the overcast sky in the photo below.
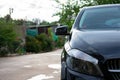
(29, 9)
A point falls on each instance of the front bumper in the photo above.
(72, 75)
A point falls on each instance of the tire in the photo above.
(63, 71)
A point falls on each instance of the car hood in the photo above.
(97, 43)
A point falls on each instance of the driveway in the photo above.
(45, 66)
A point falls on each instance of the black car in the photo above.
(92, 50)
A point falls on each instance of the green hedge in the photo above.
(43, 43)
(46, 42)
(32, 44)
(40, 43)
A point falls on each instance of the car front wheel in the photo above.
(63, 71)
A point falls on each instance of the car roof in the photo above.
(103, 6)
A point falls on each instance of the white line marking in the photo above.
(41, 77)
(55, 66)
(55, 72)
(27, 66)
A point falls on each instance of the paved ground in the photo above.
(44, 66)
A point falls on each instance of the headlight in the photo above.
(83, 63)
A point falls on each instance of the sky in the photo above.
(30, 9)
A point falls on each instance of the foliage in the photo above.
(54, 23)
(46, 42)
(44, 23)
(7, 36)
(24, 22)
(69, 10)
(8, 18)
(99, 2)
(32, 44)
(7, 33)
(40, 43)
(60, 42)
(19, 22)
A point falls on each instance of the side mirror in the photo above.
(62, 30)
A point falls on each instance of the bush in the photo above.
(7, 36)
(60, 42)
(46, 42)
(18, 46)
(40, 43)
(32, 44)
(4, 51)
(15, 45)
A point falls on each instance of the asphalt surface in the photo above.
(45, 66)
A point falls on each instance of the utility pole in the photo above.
(10, 11)
(8, 16)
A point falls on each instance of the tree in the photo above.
(69, 10)
(8, 18)
(99, 2)
(19, 22)
(44, 23)
(7, 34)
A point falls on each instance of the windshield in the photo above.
(101, 18)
